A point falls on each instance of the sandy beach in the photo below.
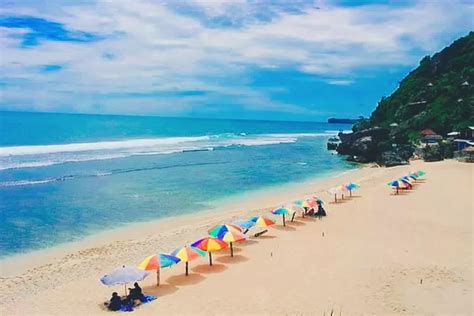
(375, 253)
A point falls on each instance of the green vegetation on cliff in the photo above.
(438, 94)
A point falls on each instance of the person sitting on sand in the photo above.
(135, 293)
(115, 302)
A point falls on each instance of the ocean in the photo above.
(66, 176)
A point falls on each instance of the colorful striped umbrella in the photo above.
(398, 185)
(413, 176)
(282, 211)
(221, 229)
(155, 262)
(210, 244)
(188, 253)
(420, 173)
(231, 237)
(261, 221)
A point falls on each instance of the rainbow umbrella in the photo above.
(155, 262)
(398, 185)
(188, 253)
(261, 221)
(210, 244)
(413, 175)
(231, 237)
(220, 229)
(420, 173)
(282, 211)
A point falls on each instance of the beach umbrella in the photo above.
(301, 203)
(124, 275)
(312, 202)
(245, 225)
(334, 191)
(220, 229)
(420, 173)
(210, 244)
(413, 175)
(352, 186)
(407, 179)
(230, 237)
(398, 185)
(343, 189)
(156, 262)
(188, 253)
(261, 221)
(282, 211)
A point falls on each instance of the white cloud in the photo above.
(340, 82)
(156, 49)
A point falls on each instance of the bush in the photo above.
(432, 153)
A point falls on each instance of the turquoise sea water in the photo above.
(65, 176)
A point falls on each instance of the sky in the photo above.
(247, 59)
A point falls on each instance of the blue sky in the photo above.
(296, 60)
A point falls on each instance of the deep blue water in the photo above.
(65, 176)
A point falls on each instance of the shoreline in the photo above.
(239, 204)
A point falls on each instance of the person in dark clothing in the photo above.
(135, 293)
(115, 302)
(321, 212)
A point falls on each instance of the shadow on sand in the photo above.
(206, 268)
(262, 237)
(180, 280)
(231, 260)
(284, 228)
(162, 290)
(296, 223)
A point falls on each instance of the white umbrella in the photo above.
(334, 191)
(124, 275)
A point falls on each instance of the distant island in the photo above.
(342, 120)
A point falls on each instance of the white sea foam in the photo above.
(24, 182)
(124, 144)
(15, 157)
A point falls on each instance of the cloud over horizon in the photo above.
(219, 58)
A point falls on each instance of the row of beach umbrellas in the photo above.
(343, 189)
(406, 181)
(219, 237)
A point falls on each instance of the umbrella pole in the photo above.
(125, 288)
(210, 259)
(335, 198)
(158, 277)
(187, 269)
(231, 250)
(284, 223)
(350, 192)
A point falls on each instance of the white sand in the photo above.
(380, 254)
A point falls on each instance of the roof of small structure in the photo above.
(427, 131)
